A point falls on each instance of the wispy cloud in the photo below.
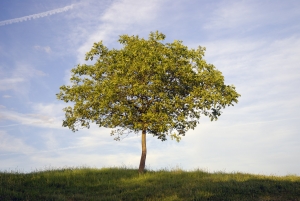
(38, 152)
(45, 116)
(6, 96)
(9, 143)
(38, 15)
(248, 15)
(120, 16)
(10, 83)
(232, 14)
(19, 78)
(38, 120)
(106, 21)
(47, 49)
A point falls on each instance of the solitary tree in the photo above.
(148, 86)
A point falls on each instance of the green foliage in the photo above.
(126, 184)
(146, 85)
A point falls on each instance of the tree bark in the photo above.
(144, 152)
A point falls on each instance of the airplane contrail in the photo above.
(38, 15)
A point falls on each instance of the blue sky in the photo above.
(256, 44)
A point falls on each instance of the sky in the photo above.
(254, 43)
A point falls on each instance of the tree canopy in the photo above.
(159, 89)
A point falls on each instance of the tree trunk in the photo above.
(144, 152)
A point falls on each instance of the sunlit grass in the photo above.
(127, 184)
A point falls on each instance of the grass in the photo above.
(126, 184)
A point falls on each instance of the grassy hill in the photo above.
(126, 184)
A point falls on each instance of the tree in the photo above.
(148, 86)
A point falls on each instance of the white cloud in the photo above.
(245, 15)
(13, 145)
(231, 14)
(51, 140)
(227, 146)
(127, 12)
(5, 96)
(30, 119)
(260, 133)
(45, 116)
(19, 78)
(10, 83)
(263, 62)
(46, 49)
(106, 21)
(120, 16)
(266, 74)
(78, 159)
(52, 109)
(26, 71)
(39, 15)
